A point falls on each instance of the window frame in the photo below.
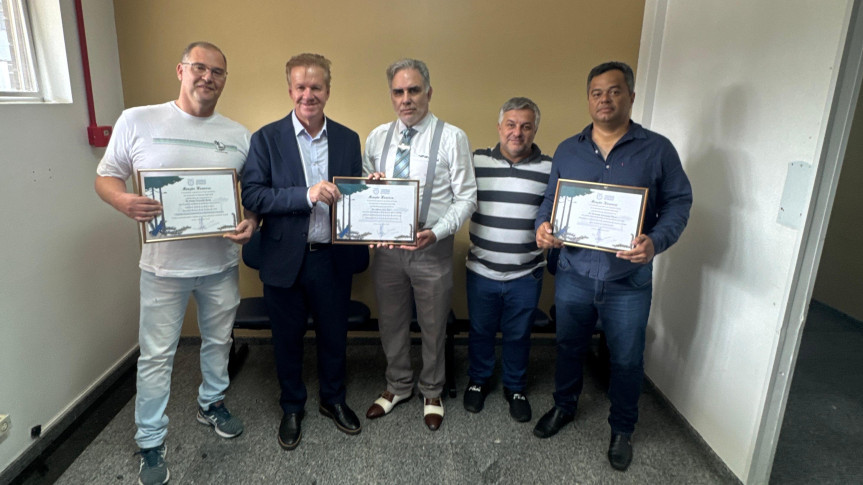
(22, 49)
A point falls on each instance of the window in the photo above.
(18, 76)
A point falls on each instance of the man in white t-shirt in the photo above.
(186, 133)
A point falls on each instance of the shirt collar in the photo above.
(534, 156)
(300, 129)
(635, 131)
(419, 127)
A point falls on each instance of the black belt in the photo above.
(311, 247)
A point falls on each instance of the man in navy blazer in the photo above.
(287, 181)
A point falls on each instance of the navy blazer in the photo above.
(274, 186)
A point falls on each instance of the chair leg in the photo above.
(450, 361)
(600, 360)
(237, 357)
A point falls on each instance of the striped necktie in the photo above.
(402, 168)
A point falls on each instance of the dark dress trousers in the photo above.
(299, 280)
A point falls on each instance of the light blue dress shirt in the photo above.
(316, 156)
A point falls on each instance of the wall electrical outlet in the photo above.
(5, 422)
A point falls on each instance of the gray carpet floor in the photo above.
(488, 447)
(822, 434)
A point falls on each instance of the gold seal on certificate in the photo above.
(195, 203)
(598, 216)
(375, 211)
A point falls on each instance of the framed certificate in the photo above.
(195, 203)
(375, 211)
(598, 216)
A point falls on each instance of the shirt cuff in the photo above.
(439, 233)
(658, 242)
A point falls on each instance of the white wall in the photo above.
(742, 89)
(68, 283)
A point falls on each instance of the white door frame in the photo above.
(838, 115)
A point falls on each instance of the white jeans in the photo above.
(163, 305)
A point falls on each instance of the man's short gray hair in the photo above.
(519, 103)
(420, 66)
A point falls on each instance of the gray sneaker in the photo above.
(217, 416)
(154, 469)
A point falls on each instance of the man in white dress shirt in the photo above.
(418, 146)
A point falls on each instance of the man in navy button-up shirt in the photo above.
(615, 288)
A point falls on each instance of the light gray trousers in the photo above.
(428, 272)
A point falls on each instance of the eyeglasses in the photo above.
(201, 69)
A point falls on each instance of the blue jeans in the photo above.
(623, 306)
(163, 305)
(508, 307)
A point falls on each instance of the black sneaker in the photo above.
(154, 469)
(519, 407)
(474, 396)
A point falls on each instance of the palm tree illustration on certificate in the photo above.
(597, 216)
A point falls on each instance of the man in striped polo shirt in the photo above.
(504, 266)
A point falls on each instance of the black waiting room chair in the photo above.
(252, 312)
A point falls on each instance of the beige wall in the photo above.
(479, 53)
(840, 274)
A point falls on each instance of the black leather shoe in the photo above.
(519, 407)
(551, 422)
(474, 396)
(290, 431)
(341, 414)
(620, 451)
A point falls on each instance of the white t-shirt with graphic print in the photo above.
(164, 136)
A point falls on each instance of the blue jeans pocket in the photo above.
(641, 278)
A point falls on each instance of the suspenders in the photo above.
(433, 153)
